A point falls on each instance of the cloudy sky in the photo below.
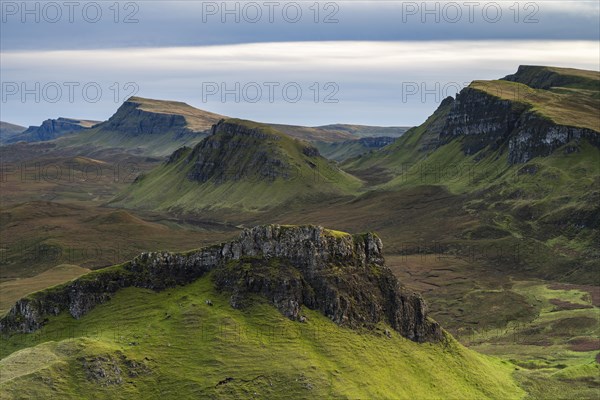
(378, 63)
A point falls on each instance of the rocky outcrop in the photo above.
(130, 119)
(235, 151)
(341, 275)
(482, 121)
(51, 129)
(535, 137)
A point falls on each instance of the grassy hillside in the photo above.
(544, 77)
(8, 130)
(37, 236)
(252, 170)
(13, 290)
(172, 344)
(550, 200)
(392, 160)
(565, 105)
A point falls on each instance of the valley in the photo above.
(489, 210)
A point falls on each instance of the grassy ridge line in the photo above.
(573, 107)
(172, 345)
(156, 271)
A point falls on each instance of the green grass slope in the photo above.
(252, 169)
(171, 344)
(543, 77)
(550, 202)
(383, 164)
(565, 105)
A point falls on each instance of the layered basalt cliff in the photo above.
(131, 119)
(483, 120)
(234, 151)
(341, 275)
(51, 129)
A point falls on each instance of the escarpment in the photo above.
(51, 129)
(484, 120)
(341, 275)
(131, 119)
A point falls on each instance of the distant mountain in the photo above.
(52, 129)
(150, 127)
(338, 132)
(140, 116)
(146, 127)
(525, 151)
(241, 165)
(366, 130)
(8, 130)
(340, 151)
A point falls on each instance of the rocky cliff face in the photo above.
(341, 275)
(481, 120)
(50, 129)
(130, 119)
(234, 151)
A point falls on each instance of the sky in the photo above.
(304, 62)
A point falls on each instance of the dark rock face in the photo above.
(50, 129)
(177, 154)
(131, 120)
(311, 151)
(341, 275)
(234, 151)
(376, 142)
(482, 120)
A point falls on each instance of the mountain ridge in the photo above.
(306, 273)
(239, 158)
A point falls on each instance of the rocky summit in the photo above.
(341, 275)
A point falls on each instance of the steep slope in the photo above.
(292, 266)
(8, 130)
(173, 345)
(141, 116)
(340, 330)
(242, 165)
(560, 106)
(381, 165)
(147, 126)
(526, 160)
